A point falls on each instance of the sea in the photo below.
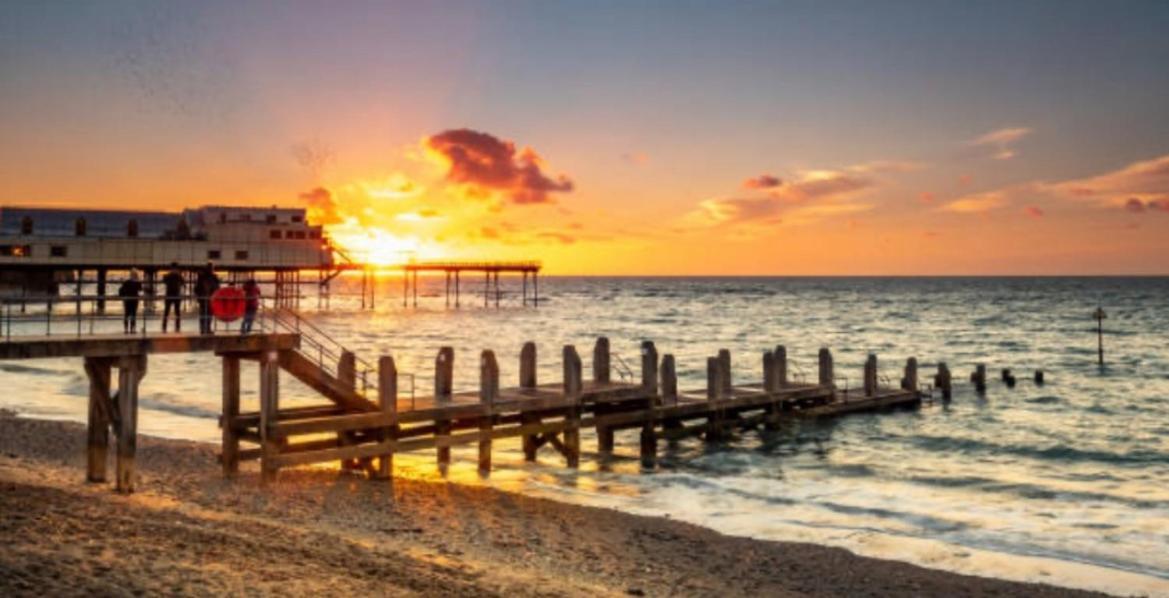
(1065, 482)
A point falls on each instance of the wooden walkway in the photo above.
(365, 422)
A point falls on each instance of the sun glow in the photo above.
(374, 245)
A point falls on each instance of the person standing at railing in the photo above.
(205, 286)
(173, 283)
(251, 305)
(130, 290)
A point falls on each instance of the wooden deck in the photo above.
(114, 345)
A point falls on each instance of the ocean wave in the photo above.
(1049, 453)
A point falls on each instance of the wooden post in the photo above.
(978, 378)
(269, 408)
(943, 381)
(387, 399)
(444, 371)
(827, 369)
(601, 361)
(910, 382)
(98, 438)
(131, 369)
(528, 365)
(649, 444)
(347, 369)
(101, 291)
(870, 376)
(1100, 316)
(347, 375)
(669, 379)
(769, 383)
(724, 363)
(649, 367)
(488, 392)
(231, 393)
(572, 391)
(780, 366)
(528, 380)
(714, 383)
(714, 389)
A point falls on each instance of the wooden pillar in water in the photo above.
(444, 371)
(978, 378)
(601, 375)
(269, 408)
(528, 380)
(770, 384)
(826, 368)
(572, 391)
(488, 392)
(781, 366)
(870, 376)
(601, 366)
(131, 370)
(724, 363)
(231, 393)
(943, 381)
(649, 367)
(669, 380)
(387, 399)
(714, 392)
(910, 382)
(98, 437)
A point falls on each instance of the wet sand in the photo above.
(188, 531)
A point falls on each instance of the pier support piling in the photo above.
(944, 382)
(909, 381)
(387, 398)
(231, 394)
(98, 437)
(870, 376)
(269, 410)
(649, 367)
(131, 370)
(827, 370)
(444, 371)
(601, 368)
(572, 391)
(978, 378)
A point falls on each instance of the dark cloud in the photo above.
(484, 164)
(322, 208)
(763, 181)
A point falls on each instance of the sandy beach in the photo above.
(189, 531)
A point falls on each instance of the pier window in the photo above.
(275, 234)
(297, 218)
(132, 228)
(241, 255)
(15, 251)
(79, 227)
(58, 251)
(26, 225)
(214, 254)
(271, 219)
(315, 234)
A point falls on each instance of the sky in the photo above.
(624, 138)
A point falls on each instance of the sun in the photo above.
(379, 247)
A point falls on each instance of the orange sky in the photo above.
(617, 139)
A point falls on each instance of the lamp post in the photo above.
(1099, 315)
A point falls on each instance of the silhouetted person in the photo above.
(130, 290)
(205, 286)
(251, 304)
(173, 283)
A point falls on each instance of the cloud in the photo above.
(322, 208)
(926, 197)
(1137, 206)
(763, 181)
(483, 165)
(999, 142)
(977, 203)
(1033, 211)
(1146, 182)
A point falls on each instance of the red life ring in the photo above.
(227, 304)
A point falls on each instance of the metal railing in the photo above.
(623, 369)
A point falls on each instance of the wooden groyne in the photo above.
(363, 429)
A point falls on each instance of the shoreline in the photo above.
(189, 530)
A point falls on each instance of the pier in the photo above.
(363, 419)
